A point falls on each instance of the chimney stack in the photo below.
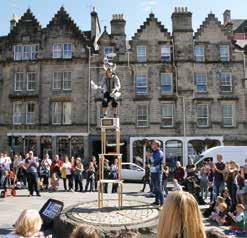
(118, 24)
(181, 19)
(227, 17)
(13, 22)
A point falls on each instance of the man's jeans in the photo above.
(218, 188)
(156, 179)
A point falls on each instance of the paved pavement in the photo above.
(11, 207)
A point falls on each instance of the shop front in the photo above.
(71, 144)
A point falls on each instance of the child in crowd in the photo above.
(220, 214)
(128, 234)
(84, 231)
(28, 224)
(177, 186)
(146, 178)
(238, 218)
(41, 184)
(212, 206)
(54, 183)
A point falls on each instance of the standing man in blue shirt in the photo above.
(157, 161)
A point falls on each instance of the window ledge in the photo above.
(228, 97)
(167, 127)
(202, 93)
(141, 97)
(229, 127)
(168, 97)
(203, 127)
(142, 127)
(203, 98)
(200, 62)
(19, 95)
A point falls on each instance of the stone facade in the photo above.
(166, 91)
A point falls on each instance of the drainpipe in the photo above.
(89, 90)
(245, 73)
(174, 65)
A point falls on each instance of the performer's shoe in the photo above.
(155, 204)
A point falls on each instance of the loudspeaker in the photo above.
(50, 210)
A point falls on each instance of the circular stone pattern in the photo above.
(133, 213)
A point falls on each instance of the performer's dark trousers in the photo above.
(156, 179)
(107, 99)
(32, 180)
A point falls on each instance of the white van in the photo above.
(235, 153)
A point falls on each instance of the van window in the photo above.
(200, 164)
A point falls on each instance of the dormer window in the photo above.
(57, 51)
(67, 51)
(25, 52)
(141, 55)
(62, 51)
(17, 52)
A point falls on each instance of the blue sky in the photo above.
(135, 11)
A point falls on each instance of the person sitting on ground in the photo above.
(128, 234)
(177, 186)
(212, 206)
(220, 215)
(225, 194)
(215, 233)
(178, 217)
(238, 221)
(28, 225)
(84, 231)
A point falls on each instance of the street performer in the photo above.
(110, 87)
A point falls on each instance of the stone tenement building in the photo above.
(186, 88)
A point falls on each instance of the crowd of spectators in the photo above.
(44, 174)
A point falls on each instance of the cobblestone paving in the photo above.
(133, 212)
